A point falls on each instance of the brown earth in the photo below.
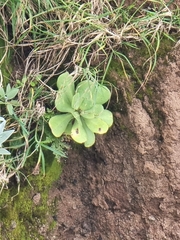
(128, 185)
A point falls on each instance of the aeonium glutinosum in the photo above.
(82, 112)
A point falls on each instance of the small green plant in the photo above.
(4, 135)
(7, 96)
(23, 106)
(82, 110)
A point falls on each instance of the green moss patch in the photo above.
(22, 217)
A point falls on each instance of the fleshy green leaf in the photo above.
(8, 88)
(92, 93)
(77, 116)
(93, 112)
(2, 93)
(12, 93)
(88, 114)
(96, 125)
(68, 128)
(78, 133)
(102, 94)
(5, 135)
(90, 136)
(62, 102)
(76, 101)
(3, 151)
(107, 117)
(64, 80)
(14, 103)
(86, 104)
(85, 87)
(86, 90)
(98, 109)
(10, 109)
(59, 123)
(65, 84)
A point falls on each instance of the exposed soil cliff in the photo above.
(128, 186)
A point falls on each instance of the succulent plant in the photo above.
(81, 110)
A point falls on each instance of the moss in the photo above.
(20, 217)
(52, 225)
(147, 91)
(128, 86)
(166, 45)
(130, 78)
(123, 90)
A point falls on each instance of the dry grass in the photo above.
(52, 36)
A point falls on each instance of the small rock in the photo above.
(151, 218)
(36, 198)
(74, 206)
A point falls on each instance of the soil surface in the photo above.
(128, 185)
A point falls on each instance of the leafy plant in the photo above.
(7, 98)
(4, 135)
(82, 110)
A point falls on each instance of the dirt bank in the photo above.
(128, 185)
